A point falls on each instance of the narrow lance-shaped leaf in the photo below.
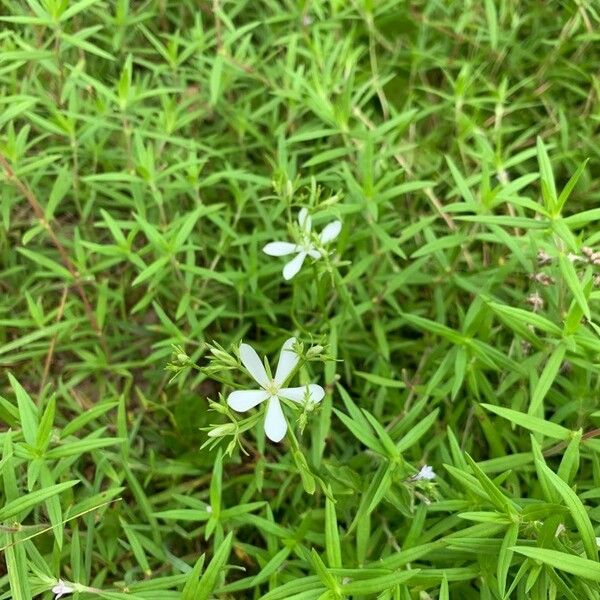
(546, 379)
(581, 567)
(535, 424)
(28, 412)
(578, 512)
(572, 280)
(332, 536)
(209, 580)
(547, 177)
(24, 503)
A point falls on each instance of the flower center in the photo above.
(272, 388)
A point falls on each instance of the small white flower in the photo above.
(61, 588)
(425, 473)
(271, 389)
(306, 247)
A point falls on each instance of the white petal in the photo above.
(426, 473)
(253, 364)
(297, 394)
(314, 254)
(60, 589)
(244, 400)
(293, 266)
(288, 360)
(280, 248)
(304, 220)
(275, 423)
(330, 232)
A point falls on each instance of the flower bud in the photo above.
(217, 407)
(314, 351)
(222, 430)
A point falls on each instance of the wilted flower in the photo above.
(536, 301)
(542, 278)
(272, 388)
(543, 258)
(307, 247)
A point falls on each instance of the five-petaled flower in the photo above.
(272, 388)
(61, 588)
(306, 247)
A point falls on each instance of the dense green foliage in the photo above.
(150, 149)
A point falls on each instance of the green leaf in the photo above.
(505, 557)
(332, 536)
(77, 447)
(547, 428)
(216, 79)
(547, 378)
(28, 413)
(581, 567)
(566, 192)
(322, 571)
(376, 585)
(572, 280)
(418, 431)
(16, 565)
(546, 177)
(496, 496)
(28, 501)
(46, 263)
(577, 510)
(381, 381)
(136, 546)
(463, 188)
(216, 567)
(492, 21)
(190, 589)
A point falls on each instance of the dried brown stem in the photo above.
(557, 448)
(50, 355)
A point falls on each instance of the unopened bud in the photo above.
(217, 407)
(222, 430)
(314, 351)
(223, 357)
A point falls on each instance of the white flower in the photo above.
(271, 389)
(60, 589)
(306, 247)
(426, 473)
